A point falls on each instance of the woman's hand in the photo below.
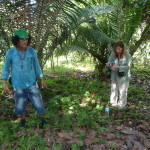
(114, 67)
(107, 65)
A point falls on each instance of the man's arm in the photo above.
(5, 87)
(38, 71)
(43, 84)
(6, 72)
(37, 67)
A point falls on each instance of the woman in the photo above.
(119, 63)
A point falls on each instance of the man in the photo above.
(22, 64)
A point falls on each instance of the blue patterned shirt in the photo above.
(23, 72)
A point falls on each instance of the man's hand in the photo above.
(5, 87)
(114, 67)
(43, 84)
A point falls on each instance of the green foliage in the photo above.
(72, 104)
(57, 146)
(137, 93)
(100, 31)
(99, 141)
(75, 147)
(30, 142)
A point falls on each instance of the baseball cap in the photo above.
(22, 33)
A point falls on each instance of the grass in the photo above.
(72, 103)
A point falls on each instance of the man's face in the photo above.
(23, 43)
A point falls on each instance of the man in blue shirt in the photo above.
(22, 63)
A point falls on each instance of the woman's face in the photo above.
(118, 50)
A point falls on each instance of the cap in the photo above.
(22, 33)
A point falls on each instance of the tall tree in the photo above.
(129, 23)
(44, 20)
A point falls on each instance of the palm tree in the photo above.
(49, 22)
(63, 26)
(45, 20)
(122, 24)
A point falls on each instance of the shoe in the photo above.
(23, 123)
(43, 122)
(121, 107)
(113, 105)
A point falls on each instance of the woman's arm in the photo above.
(126, 65)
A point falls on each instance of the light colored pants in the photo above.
(119, 94)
